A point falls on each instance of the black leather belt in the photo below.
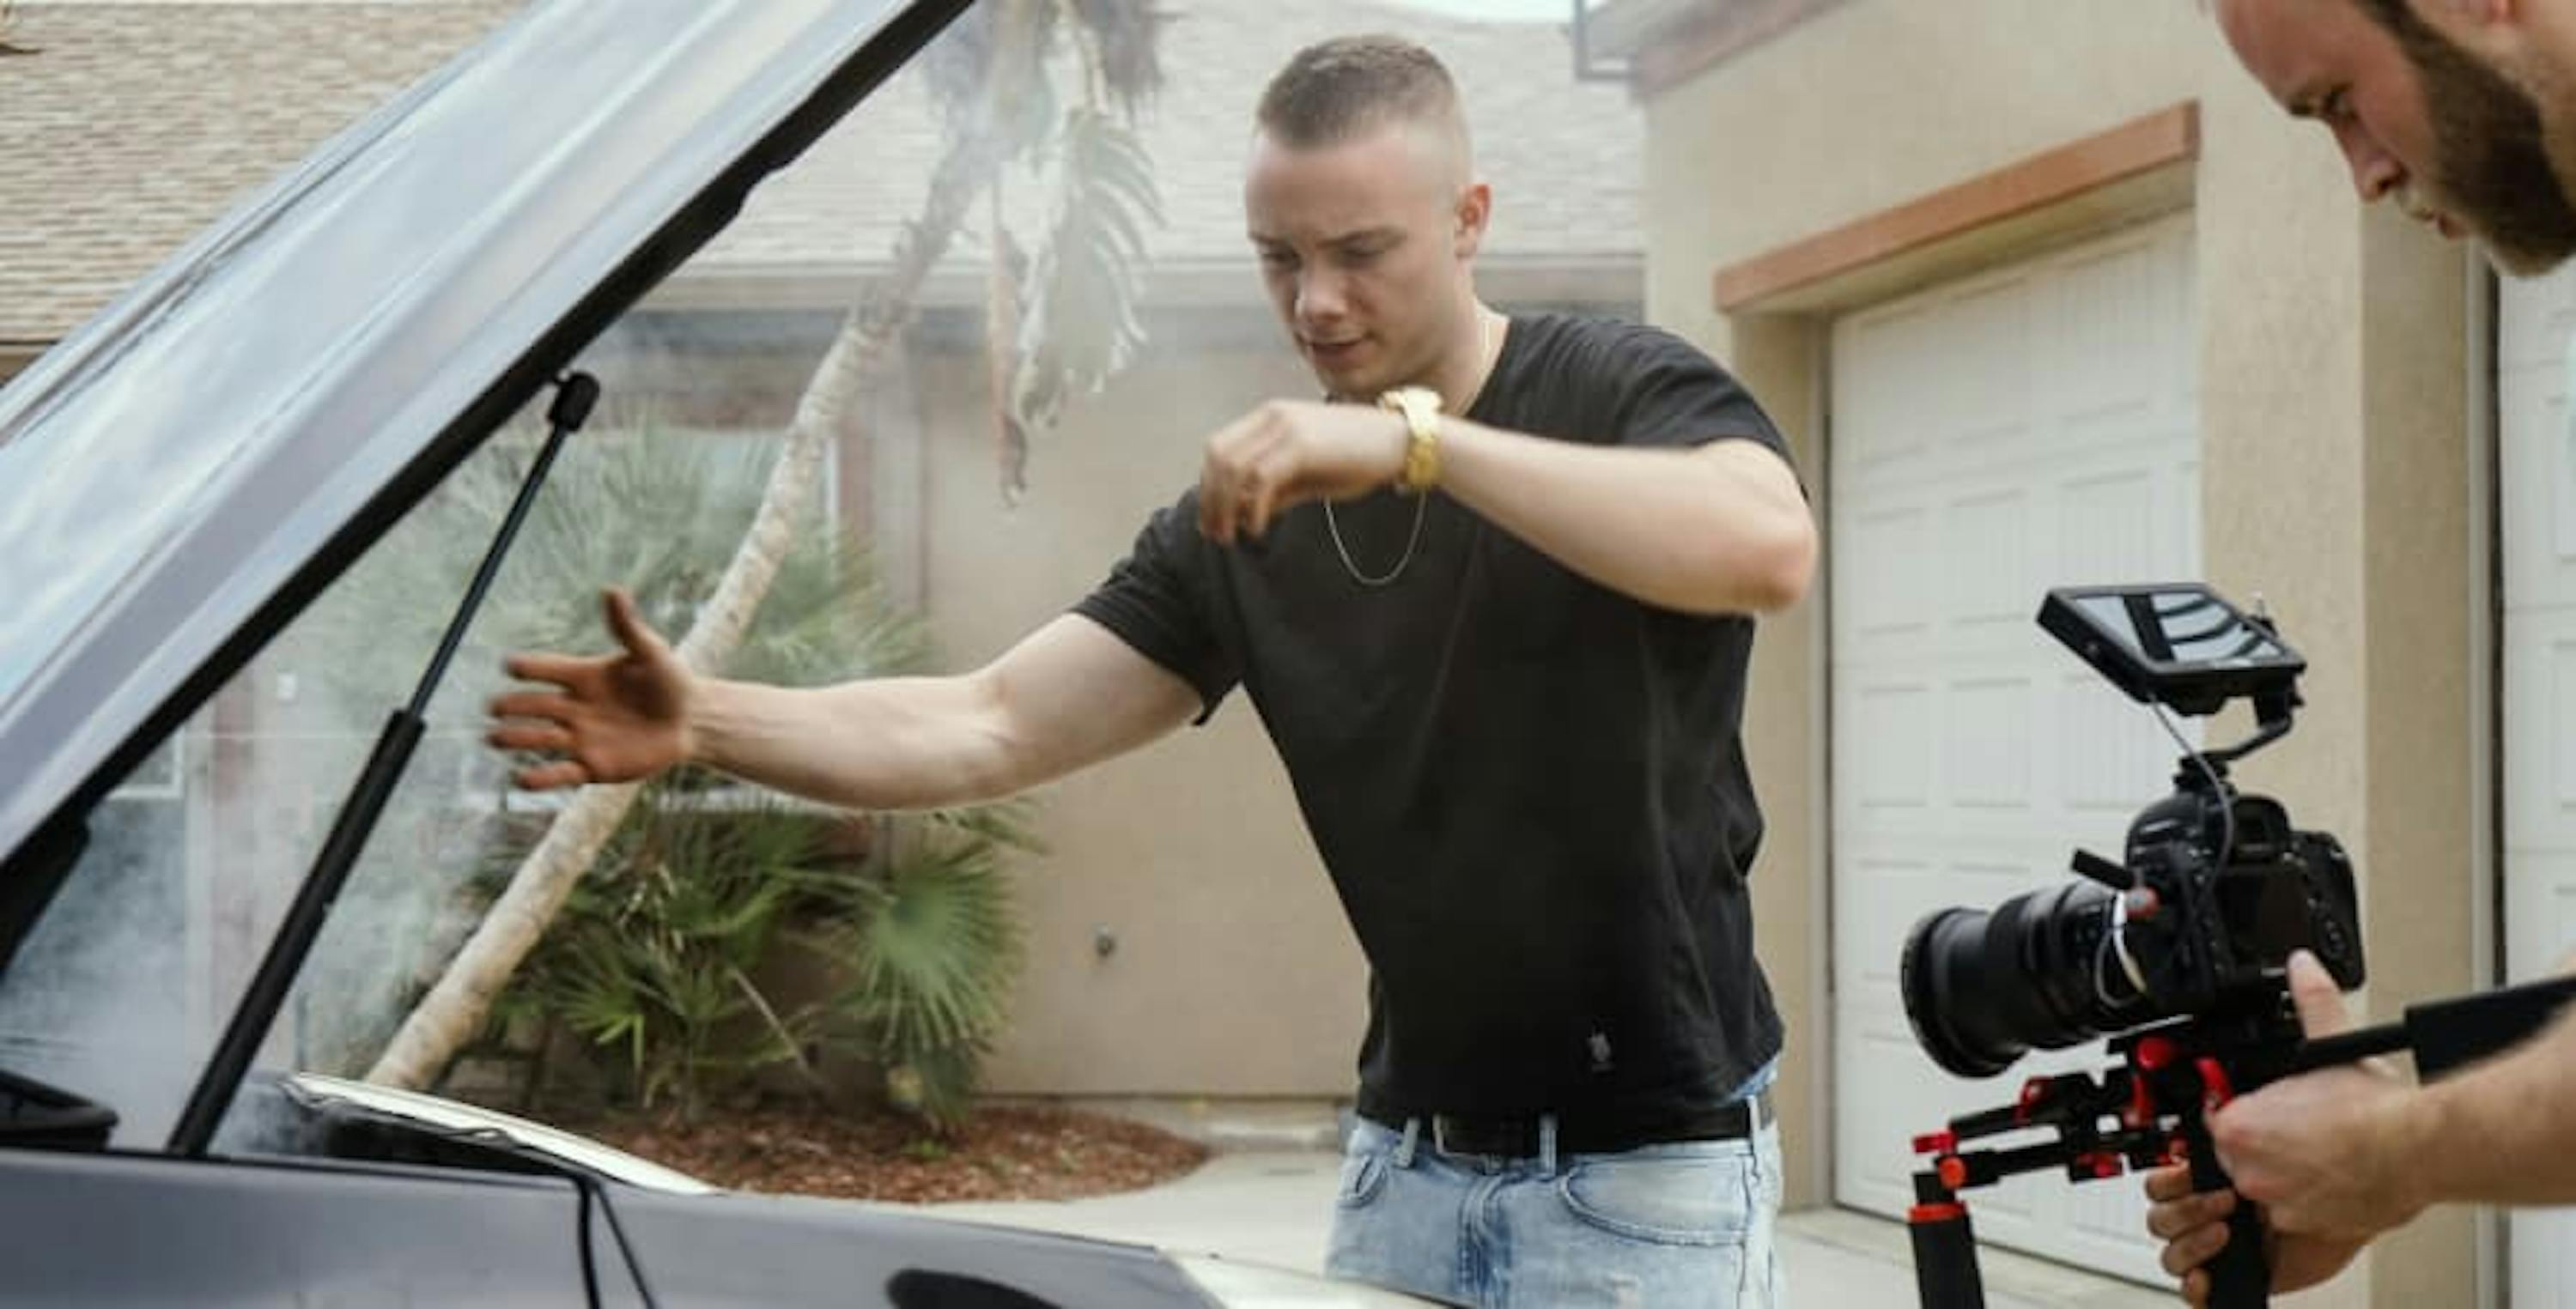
(1518, 1137)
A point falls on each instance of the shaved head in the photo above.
(1336, 91)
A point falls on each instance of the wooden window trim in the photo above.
(2136, 166)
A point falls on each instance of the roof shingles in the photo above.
(138, 124)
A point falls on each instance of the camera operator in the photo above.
(2463, 111)
(1498, 636)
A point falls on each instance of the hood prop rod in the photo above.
(575, 394)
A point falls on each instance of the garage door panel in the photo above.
(2536, 495)
(2092, 1224)
(1986, 743)
(2104, 745)
(1891, 583)
(2540, 732)
(2540, 913)
(1888, 725)
(1978, 549)
(1908, 890)
(1889, 1113)
(1987, 560)
(1873, 1172)
(2534, 319)
(1984, 396)
(2536, 478)
(2111, 523)
(2112, 351)
(2025, 428)
(2544, 1259)
(1893, 344)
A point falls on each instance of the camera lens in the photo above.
(1981, 990)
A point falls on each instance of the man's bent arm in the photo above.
(1069, 694)
(1718, 528)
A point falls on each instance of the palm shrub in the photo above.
(657, 959)
(654, 956)
(930, 947)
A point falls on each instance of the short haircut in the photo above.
(1333, 91)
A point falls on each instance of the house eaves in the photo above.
(1661, 42)
(1610, 280)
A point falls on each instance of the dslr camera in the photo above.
(2212, 893)
(2178, 953)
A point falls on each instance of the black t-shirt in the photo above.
(1529, 789)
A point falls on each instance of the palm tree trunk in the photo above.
(458, 1005)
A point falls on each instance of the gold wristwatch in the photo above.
(1420, 406)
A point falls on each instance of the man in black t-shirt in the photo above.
(1491, 601)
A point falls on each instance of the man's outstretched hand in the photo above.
(613, 718)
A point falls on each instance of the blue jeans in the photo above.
(1684, 1224)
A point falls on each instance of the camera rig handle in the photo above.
(2154, 1108)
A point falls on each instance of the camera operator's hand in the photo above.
(2324, 1153)
(616, 718)
(2194, 1227)
(2328, 1153)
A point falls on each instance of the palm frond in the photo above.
(1004, 824)
(1081, 324)
(932, 960)
(1127, 37)
(987, 74)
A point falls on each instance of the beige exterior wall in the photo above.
(2334, 427)
(1234, 973)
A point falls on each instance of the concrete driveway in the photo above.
(1274, 1207)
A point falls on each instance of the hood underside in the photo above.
(187, 470)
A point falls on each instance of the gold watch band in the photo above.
(1420, 406)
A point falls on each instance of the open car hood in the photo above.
(186, 471)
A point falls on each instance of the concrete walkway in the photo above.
(1273, 1207)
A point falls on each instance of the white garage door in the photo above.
(2029, 427)
(2536, 348)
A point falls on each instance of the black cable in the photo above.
(581, 1237)
(643, 1283)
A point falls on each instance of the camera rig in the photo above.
(2177, 952)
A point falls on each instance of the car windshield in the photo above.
(959, 351)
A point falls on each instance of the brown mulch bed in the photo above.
(1002, 1153)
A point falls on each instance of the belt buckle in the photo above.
(1487, 1140)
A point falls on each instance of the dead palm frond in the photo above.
(1062, 318)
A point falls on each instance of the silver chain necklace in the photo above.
(1422, 502)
